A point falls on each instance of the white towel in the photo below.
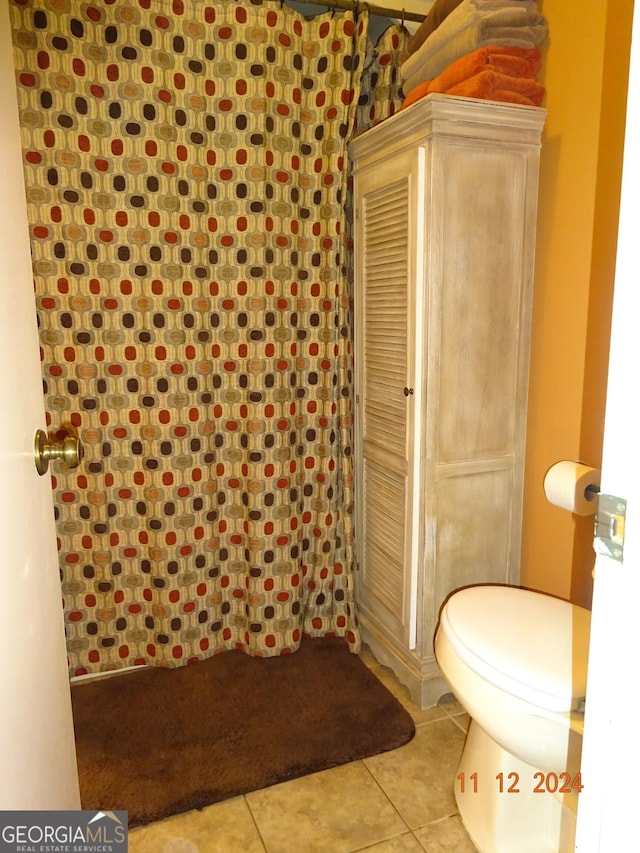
(474, 24)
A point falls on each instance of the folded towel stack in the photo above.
(477, 49)
(495, 73)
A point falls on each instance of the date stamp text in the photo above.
(510, 783)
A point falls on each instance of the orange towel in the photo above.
(512, 62)
(515, 61)
(490, 85)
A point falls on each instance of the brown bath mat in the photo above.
(159, 742)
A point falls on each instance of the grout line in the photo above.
(389, 838)
(393, 805)
(463, 728)
(255, 823)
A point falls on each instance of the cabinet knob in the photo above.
(407, 392)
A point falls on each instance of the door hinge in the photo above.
(609, 527)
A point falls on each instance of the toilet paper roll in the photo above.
(573, 486)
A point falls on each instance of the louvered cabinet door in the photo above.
(385, 307)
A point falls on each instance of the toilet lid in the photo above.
(532, 645)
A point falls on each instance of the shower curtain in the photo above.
(187, 180)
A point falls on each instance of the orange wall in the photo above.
(585, 73)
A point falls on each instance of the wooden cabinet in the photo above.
(445, 199)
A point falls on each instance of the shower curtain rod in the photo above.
(351, 5)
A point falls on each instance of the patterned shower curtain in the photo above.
(186, 173)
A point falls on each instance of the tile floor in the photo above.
(398, 802)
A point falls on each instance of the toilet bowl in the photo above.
(516, 660)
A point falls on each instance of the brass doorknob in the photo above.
(48, 448)
(408, 392)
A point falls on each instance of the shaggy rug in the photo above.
(163, 741)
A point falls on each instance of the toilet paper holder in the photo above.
(608, 539)
(573, 486)
(576, 487)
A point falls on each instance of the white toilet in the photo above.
(516, 660)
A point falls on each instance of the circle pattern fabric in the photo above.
(185, 166)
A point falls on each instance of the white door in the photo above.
(608, 806)
(37, 751)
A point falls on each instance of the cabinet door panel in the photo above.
(482, 279)
(475, 535)
(385, 307)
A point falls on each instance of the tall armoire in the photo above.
(445, 200)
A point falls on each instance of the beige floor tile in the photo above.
(336, 811)
(445, 836)
(406, 843)
(368, 658)
(418, 778)
(462, 721)
(390, 681)
(226, 827)
(450, 704)
(454, 709)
